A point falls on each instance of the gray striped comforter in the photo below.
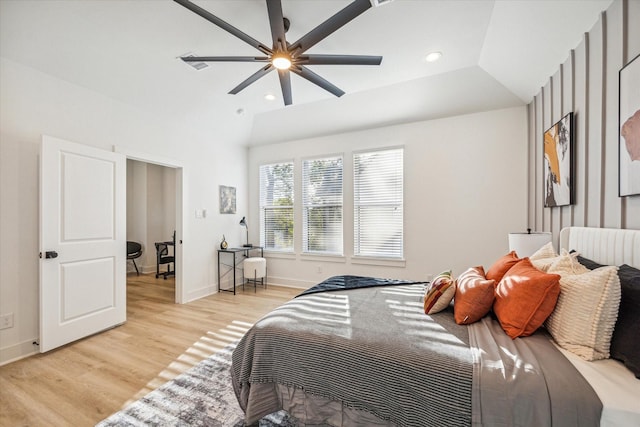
(375, 352)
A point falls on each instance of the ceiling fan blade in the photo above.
(224, 25)
(225, 59)
(320, 81)
(285, 84)
(276, 21)
(330, 25)
(339, 60)
(255, 76)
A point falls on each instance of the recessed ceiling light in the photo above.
(270, 97)
(433, 56)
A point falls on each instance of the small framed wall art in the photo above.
(558, 163)
(629, 129)
(227, 200)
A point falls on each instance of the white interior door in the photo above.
(82, 241)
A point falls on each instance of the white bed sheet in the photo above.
(615, 385)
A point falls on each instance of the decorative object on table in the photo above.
(526, 244)
(243, 222)
(223, 243)
(629, 129)
(227, 200)
(558, 163)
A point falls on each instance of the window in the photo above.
(276, 207)
(378, 203)
(322, 206)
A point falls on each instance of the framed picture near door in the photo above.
(629, 129)
(558, 163)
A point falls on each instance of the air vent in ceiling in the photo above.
(197, 65)
(376, 3)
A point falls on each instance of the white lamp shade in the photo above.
(525, 244)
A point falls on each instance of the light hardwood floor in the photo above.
(85, 382)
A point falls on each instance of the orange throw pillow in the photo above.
(474, 296)
(525, 297)
(502, 265)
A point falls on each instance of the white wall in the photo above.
(465, 181)
(587, 85)
(161, 207)
(137, 208)
(32, 104)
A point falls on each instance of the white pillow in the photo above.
(544, 264)
(547, 251)
(587, 308)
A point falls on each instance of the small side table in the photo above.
(233, 251)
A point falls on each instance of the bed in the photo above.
(361, 351)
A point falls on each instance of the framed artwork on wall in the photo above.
(629, 129)
(558, 163)
(227, 200)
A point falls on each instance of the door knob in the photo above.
(49, 254)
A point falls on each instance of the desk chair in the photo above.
(163, 257)
(134, 250)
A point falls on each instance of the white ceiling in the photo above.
(497, 54)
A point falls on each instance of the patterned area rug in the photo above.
(201, 396)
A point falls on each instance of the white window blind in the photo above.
(322, 206)
(378, 203)
(276, 207)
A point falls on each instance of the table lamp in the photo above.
(525, 244)
(243, 222)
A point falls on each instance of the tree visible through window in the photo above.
(322, 205)
(378, 203)
(276, 206)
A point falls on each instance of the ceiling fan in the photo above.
(288, 57)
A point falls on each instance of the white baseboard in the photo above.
(145, 269)
(201, 293)
(290, 283)
(18, 351)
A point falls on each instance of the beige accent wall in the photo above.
(587, 85)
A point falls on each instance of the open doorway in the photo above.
(151, 216)
(154, 214)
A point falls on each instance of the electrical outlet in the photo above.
(6, 321)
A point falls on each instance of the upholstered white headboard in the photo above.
(608, 246)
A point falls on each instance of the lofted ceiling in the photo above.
(496, 54)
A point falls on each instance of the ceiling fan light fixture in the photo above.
(269, 97)
(281, 61)
(284, 56)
